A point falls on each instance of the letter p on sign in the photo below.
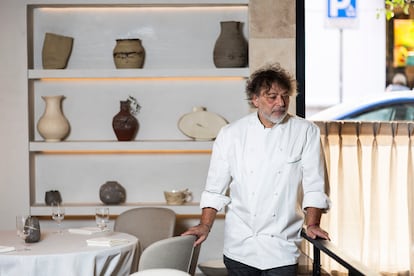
(341, 9)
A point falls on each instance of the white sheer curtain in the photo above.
(370, 168)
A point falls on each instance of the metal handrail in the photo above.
(355, 268)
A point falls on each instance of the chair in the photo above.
(175, 253)
(194, 260)
(148, 224)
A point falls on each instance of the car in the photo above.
(387, 106)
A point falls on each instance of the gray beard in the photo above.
(274, 120)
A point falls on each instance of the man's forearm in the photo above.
(208, 215)
(313, 216)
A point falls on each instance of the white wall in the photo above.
(14, 190)
(363, 68)
(14, 157)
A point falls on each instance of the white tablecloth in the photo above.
(66, 254)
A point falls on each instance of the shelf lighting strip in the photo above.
(104, 152)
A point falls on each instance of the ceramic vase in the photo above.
(230, 49)
(56, 51)
(129, 53)
(111, 192)
(124, 124)
(53, 125)
(53, 197)
(34, 230)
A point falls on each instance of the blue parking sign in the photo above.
(342, 9)
(341, 14)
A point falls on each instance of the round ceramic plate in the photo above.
(201, 124)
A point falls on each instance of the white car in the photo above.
(388, 106)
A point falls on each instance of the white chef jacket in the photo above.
(274, 174)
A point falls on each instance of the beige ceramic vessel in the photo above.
(176, 197)
(53, 125)
(129, 53)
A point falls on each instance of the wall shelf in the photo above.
(137, 73)
(130, 146)
(178, 74)
(133, 3)
(88, 209)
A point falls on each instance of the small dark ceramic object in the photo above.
(53, 198)
(112, 193)
(34, 230)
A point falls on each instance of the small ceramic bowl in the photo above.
(176, 197)
(213, 268)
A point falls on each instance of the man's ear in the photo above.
(255, 101)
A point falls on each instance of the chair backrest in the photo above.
(194, 260)
(175, 253)
(148, 224)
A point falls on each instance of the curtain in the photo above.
(370, 169)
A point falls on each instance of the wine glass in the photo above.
(23, 230)
(58, 214)
(102, 218)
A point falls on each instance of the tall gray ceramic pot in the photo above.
(231, 48)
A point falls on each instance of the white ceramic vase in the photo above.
(53, 125)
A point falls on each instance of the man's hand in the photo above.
(314, 231)
(200, 230)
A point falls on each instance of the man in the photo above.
(274, 167)
(399, 83)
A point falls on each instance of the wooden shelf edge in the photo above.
(35, 74)
(133, 3)
(92, 217)
(134, 147)
(88, 209)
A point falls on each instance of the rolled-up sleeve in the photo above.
(218, 177)
(315, 182)
(214, 200)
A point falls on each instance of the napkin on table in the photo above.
(105, 241)
(4, 249)
(85, 230)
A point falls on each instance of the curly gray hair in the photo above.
(264, 77)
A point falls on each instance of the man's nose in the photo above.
(280, 100)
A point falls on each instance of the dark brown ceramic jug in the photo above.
(125, 124)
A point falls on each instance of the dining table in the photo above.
(67, 253)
